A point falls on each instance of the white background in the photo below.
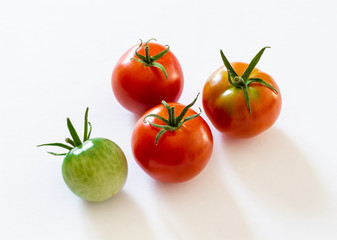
(56, 58)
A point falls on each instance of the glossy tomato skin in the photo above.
(138, 87)
(226, 108)
(95, 170)
(179, 155)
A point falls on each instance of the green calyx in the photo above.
(244, 80)
(75, 140)
(172, 123)
(148, 60)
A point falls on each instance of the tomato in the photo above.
(240, 100)
(145, 75)
(96, 169)
(172, 149)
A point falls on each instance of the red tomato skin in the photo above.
(179, 155)
(226, 108)
(138, 87)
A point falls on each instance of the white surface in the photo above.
(56, 58)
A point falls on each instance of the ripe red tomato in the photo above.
(240, 100)
(172, 149)
(145, 75)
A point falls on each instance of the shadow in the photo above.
(136, 117)
(201, 208)
(116, 218)
(274, 169)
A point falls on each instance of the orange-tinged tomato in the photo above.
(227, 108)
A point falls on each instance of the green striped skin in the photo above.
(95, 170)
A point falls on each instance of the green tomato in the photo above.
(94, 170)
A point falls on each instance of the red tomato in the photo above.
(138, 86)
(234, 112)
(179, 154)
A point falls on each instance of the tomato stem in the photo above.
(239, 82)
(147, 54)
(172, 123)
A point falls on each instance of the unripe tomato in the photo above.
(95, 169)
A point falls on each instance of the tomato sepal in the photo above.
(253, 63)
(262, 82)
(172, 123)
(95, 169)
(75, 141)
(148, 60)
(244, 81)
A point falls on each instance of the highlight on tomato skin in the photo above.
(145, 75)
(169, 152)
(240, 100)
